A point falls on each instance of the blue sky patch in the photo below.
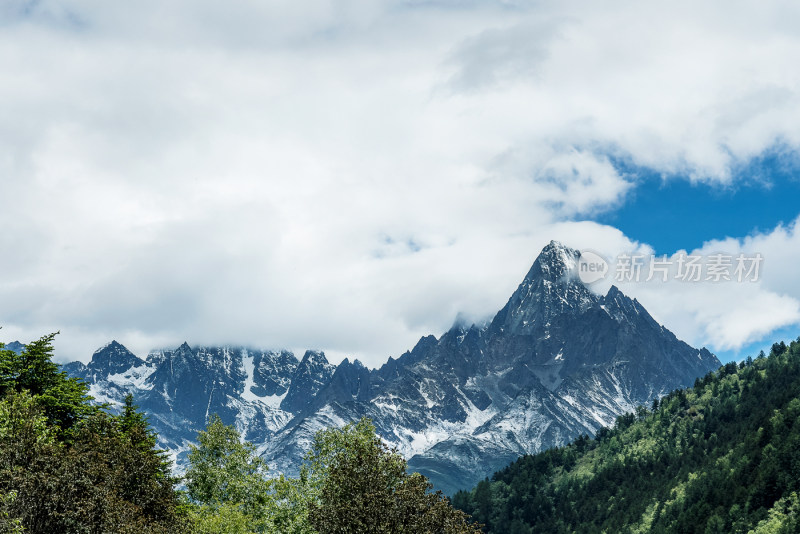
(673, 213)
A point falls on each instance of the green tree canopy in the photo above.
(64, 400)
(227, 483)
(366, 489)
(67, 466)
(223, 469)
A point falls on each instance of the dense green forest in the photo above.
(68, 465)
(721, 457)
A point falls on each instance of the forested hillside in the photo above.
(723, 456)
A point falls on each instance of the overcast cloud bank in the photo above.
(352, 175)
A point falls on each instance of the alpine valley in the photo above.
(558, 361)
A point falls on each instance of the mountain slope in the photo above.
(557, 361)
(723, 456)
(178, 389)
(15, 346)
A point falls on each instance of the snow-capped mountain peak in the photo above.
(556, 361)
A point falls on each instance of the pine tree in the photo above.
(65, 400)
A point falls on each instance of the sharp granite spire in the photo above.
(557, 361)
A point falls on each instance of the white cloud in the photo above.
(351, 175)
(725, 315)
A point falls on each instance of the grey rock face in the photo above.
(15, 346)
(311, 376)
(557, 361)
(273, 372)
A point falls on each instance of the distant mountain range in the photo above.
(556, 362)
(16, 346)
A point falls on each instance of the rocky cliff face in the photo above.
(557, 361)
(15, 346)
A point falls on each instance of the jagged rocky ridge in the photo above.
(556, 362)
